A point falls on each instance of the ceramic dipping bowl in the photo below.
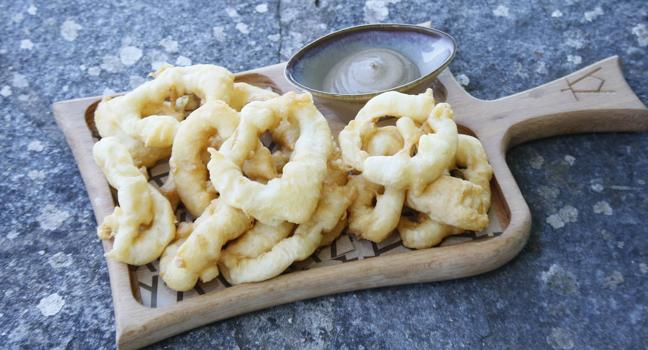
(430, 50)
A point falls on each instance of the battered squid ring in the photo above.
(150, 137)
(452, 201)
(292, 197)
(371, 221)
(337, 175)
(245, 93)
(212, 120)
(193, 137)
(144, 223)
(169, 190)
(266, 244)
(328, 237)
(376, 211)
(423, 232)
(258, 240)
(452, 205)
(284, 136)
(257, 264)
(384, 141)
(262, 238)
(458, 202)
(187, 260)
(434, 152)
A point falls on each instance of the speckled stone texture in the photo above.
(580, 283)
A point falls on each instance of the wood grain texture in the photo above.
(594, 99)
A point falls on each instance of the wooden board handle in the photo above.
(594, 99)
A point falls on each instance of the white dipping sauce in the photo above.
(370, 70)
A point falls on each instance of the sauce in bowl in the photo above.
(358, 63)
(370, 70)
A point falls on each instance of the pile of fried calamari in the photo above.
(266, 181)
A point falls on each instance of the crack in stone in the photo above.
(278, 17)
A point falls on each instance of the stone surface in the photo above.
(579, 283)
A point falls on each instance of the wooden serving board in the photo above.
(593, 99)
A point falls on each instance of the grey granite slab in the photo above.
(580, 283)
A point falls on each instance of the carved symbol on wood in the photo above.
(588, 83)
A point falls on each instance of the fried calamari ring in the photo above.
(337, 175)
(144, 222)
(472, 161)
(261, 166)
(453, 201)
(212, 119)
(149, 136)
(261, 240)
(293, 197)
(434, 152)
(385, 141)
(304, 241)
(258, 240)
(376, 211)
(284, 137)
(457, 202)
(451, 205)
(330, 236)
(423, 232)
(195, 257)
(213, 122)
(245, 93)
(169, 190)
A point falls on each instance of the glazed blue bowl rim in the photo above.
(288, 71)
